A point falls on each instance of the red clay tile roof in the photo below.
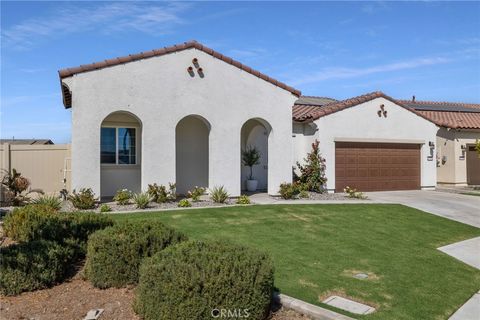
(454, 120)
(455, 115)
(68, 72)
(303, 113)
(420, 103)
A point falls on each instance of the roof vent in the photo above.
(413, 98)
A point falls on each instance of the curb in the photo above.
(308, 309)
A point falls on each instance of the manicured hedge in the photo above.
(40, 222)
(115, 253)
(34, 265)
(194, 279)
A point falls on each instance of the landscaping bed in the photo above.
(73, 299)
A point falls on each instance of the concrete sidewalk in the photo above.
(470, 310)
(467, 251)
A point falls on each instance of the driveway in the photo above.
(459, 207)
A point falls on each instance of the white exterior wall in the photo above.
(362, 123)
(160, 92)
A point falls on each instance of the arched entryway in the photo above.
(120, 153)
(255, 133)
(191, 153)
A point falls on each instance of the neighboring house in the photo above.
(26, 141)
(184, 113)
(458, 162)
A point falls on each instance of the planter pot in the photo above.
(252, 185)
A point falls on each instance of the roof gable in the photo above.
(68, 72)
(302, 113)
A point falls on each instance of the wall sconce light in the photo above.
(463, 147)
(431, 144)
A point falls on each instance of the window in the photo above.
(118, 145)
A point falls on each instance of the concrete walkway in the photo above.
(470, 310)
(458, 207)
(467, 251)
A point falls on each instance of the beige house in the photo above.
(457, 161)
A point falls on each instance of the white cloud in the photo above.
(344, 73)
(106, 18)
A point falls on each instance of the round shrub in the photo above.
(115, 253)
(41, 222)
(33, 265)
(194, 279)
(32, 222)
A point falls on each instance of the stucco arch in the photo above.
(120, 153)
(192, 153)
(256, 132)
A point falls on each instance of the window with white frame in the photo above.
(118, 145)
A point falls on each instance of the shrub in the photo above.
(84, 199)
(32, 222)
(105, 208)
(312, 172)
(191, 279)
(33, 265)
(243, 199)
(52, 201)
(196, 193)
(40, 222)
(289, 190)
(303, 194)
(353, 193)
(114, 254)
(141, 200)
(219, 194)
(184, 203)
(160, 194)
(16, 187)
(122, 197)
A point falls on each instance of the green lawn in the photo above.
(317, 248)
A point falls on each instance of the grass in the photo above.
(471, 193)
(317, 248)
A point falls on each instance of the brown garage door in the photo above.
(377, 166)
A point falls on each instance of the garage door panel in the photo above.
(377, 166)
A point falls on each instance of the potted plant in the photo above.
(250, 158)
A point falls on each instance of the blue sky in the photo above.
(336, 49)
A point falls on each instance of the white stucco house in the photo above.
(184, 113)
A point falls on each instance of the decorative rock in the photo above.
(361, 276)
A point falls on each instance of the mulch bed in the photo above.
(74, 298)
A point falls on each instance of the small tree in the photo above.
(477, 147)
(312, 173)
(250, 158)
